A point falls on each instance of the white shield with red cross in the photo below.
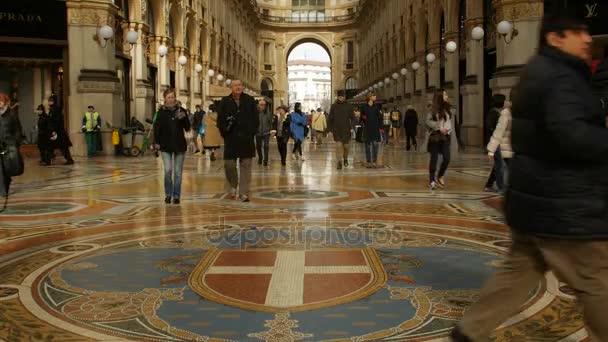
(288, 280)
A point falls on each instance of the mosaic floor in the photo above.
(91, 253)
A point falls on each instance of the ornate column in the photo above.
(181, 72)
(195, 84)
(434, 69)
(162, 63)
(92, 75)
(451, 70)
(281, 92)
(142, 88)
(420, 77)
(472, 89)
(514, 51)
(337, 67)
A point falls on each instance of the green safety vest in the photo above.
(91, 122)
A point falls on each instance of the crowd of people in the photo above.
(550, 137)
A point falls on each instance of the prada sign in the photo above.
(33, 19)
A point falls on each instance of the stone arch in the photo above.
(350, 82)
(410, 51)
(422, 26)
(267, 84)
(309, 38)
(452, 15)
(175, 21)
(437, 17)
(191, 34)
(158, 15)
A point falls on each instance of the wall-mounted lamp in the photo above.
(228, 82)
(163, 50)
(404, 72)
(104, 34)
(477, 33)
(416, 66)
(375, 86)
(395, 76)
(451, 46)
(507, 29)
(132, 37)
(182, 60)
(220, 77)
(198, 68)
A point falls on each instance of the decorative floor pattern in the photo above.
(90, 253)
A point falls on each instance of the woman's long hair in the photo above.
(441, 108)
(369, 97)
(297, 107)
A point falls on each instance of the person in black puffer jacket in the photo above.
(600, 86)
(169, 137)
(557, 200)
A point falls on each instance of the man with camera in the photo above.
(238, 123)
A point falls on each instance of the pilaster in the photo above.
(92, 77)
(514, 51)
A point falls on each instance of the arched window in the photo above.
(150, 18)
(351, 83)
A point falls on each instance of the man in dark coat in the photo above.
(238, 123)
(197, 123)
(600, 86)
(59, 136)
(557, 200)
(411, 127)
(340, 124)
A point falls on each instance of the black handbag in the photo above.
(437, 138)
(12, 160)
(360, 134)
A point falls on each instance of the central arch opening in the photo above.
(309, 75)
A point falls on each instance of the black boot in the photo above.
(458, 336)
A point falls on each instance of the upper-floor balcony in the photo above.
(307, 20)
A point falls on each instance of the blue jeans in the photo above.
(371, 151)
(174, 166)
(387, 134)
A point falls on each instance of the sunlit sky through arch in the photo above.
(309, 51)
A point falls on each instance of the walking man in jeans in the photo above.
(262, 138)
(557, 200)
(238, 123)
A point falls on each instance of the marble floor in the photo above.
(91, 253)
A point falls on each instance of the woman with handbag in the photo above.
(11, 135)
(439, 124)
